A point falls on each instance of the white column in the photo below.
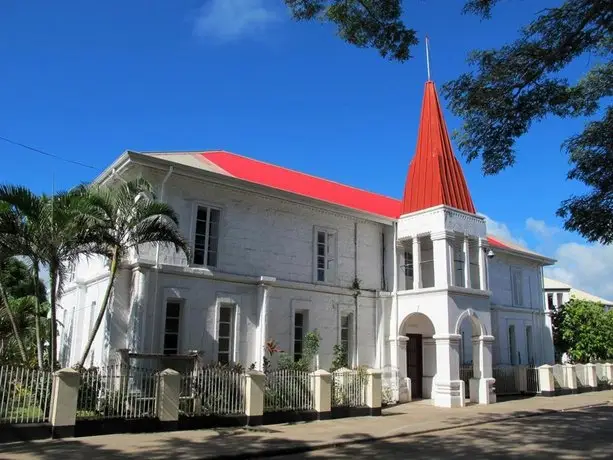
(404, 386)
(264, 294)
(487, 393)
(448, 388)
(442, 245)
(482, 259)
(466, 250)
(416, 263)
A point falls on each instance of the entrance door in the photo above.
(414, 364)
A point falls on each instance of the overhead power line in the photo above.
(52, 155)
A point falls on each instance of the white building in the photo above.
(558, 293)
(277, 253)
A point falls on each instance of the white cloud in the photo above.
(229, 20)
(501, 230)
(540, 228)
(585, 267)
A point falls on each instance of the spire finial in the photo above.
(428, 56)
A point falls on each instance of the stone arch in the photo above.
(418, 323)
(475, 321)
(417, 360)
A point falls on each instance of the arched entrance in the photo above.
(475, 363)
(420, 356)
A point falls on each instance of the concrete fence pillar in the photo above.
(64, 393)
(546, 382)
(591, 376)
(255, 384)
(374, 391)
(322, 394)
(608, 372)
(522, 379)
(167, 398)
(571, 378)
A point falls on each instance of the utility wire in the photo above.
(57, 157)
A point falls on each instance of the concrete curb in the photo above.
(293, 450)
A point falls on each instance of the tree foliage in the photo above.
(584, 330)
(514, 86)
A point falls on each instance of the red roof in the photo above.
(303, 184)
(435, 176)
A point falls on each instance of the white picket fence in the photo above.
(25, 395)
(210, 391)
(288, 390)
(117, 392)
(348, 388)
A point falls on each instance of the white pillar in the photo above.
(322, 394)
(404, 389)
(571, 378)
(448, 388)
(64, 394)
(416, 263)
(442, 249)
(263, 295)
(374, 390)
(546, 381)
(168, 392)
(255, 383)
(482, 260)
(591, 377)
(466, 249)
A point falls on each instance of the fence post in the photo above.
(255, 384)
(522, 377)
(167, 397)
(591, 377)
(546, 381)
(64, 394)
(571, 378)
(608, 372)
(374, 391)
(322, 394)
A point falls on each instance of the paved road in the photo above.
(577, 434)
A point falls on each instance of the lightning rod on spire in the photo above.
(428, 56)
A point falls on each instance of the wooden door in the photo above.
(414, 364)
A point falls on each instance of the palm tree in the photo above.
(122, 219)
(8, 230)
(31, 235)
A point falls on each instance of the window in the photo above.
(408, 269)
(517, 286)
(206, 236)
(560, 299)
(512, 346)
(529, 344)
(299, 326)
(383, 277)
(550, 301)
(458, 262)
(224, 334)
(346, 334)
(171, 327)
(325, 256)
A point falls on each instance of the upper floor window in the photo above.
(325, 255)
(225, 334)
(550, 304)
(458, 261)
(560, 299)
(171, 327)
(206, 236)
(512, 346)
(517, 286)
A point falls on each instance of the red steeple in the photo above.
(435, 176)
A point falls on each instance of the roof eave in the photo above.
(527, 255)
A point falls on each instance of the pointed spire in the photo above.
(435, 176)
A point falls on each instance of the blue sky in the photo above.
(87, 80)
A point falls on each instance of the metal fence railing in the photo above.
(507, 380)
(117, 392)
(25, 395)
(532, 380)
(466, 373)
(212, 391)
(288, 390)
(348, 388)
